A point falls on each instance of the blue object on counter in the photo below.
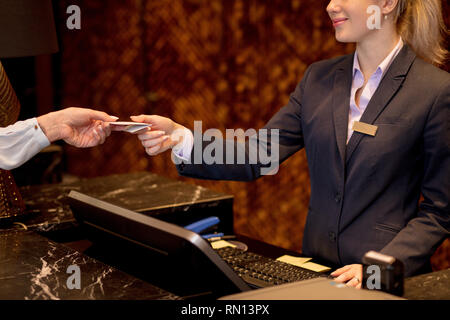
(212, 235)
(203, 224)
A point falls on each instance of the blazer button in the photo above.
(338, 198)
(332, 236)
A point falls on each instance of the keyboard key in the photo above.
(262, 271)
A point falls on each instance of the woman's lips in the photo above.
(338, 22)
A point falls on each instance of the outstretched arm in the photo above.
(77, 126)
(82, 128)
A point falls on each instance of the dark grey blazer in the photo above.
(365, 195)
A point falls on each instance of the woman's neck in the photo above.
(374, 49)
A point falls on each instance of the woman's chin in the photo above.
(344, 38)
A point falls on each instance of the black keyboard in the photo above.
(259, 271)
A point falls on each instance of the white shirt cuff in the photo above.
(39, 135)
(20, 142)
(183, 150)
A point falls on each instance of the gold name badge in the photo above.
(365, 128)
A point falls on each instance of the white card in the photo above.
(131, 127)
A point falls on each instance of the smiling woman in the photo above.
(419, 23)
(339, 111)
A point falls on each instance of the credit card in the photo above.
(131, 127)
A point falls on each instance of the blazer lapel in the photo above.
(341, 103)
(388, 87)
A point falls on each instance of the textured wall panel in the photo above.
(229, 63)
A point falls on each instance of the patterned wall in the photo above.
(229, 63)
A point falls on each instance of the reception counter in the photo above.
(37, 254)
(33, 267)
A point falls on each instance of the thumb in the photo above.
(103, 116)
(144, 119)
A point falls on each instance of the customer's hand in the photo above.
(351, 275)
(79, 127)
(161, 136)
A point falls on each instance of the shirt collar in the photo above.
(384, 65)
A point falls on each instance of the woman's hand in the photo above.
(79, 127)
(351, 275)
(164, 133)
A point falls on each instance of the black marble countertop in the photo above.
(34, 268)
(47, 208)
(430, 286)
(33, 262)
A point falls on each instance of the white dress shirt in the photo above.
(183, 150)
(372, 84)
(20, 142)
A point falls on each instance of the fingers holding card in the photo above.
(131, 127)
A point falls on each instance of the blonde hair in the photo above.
(421, 24)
